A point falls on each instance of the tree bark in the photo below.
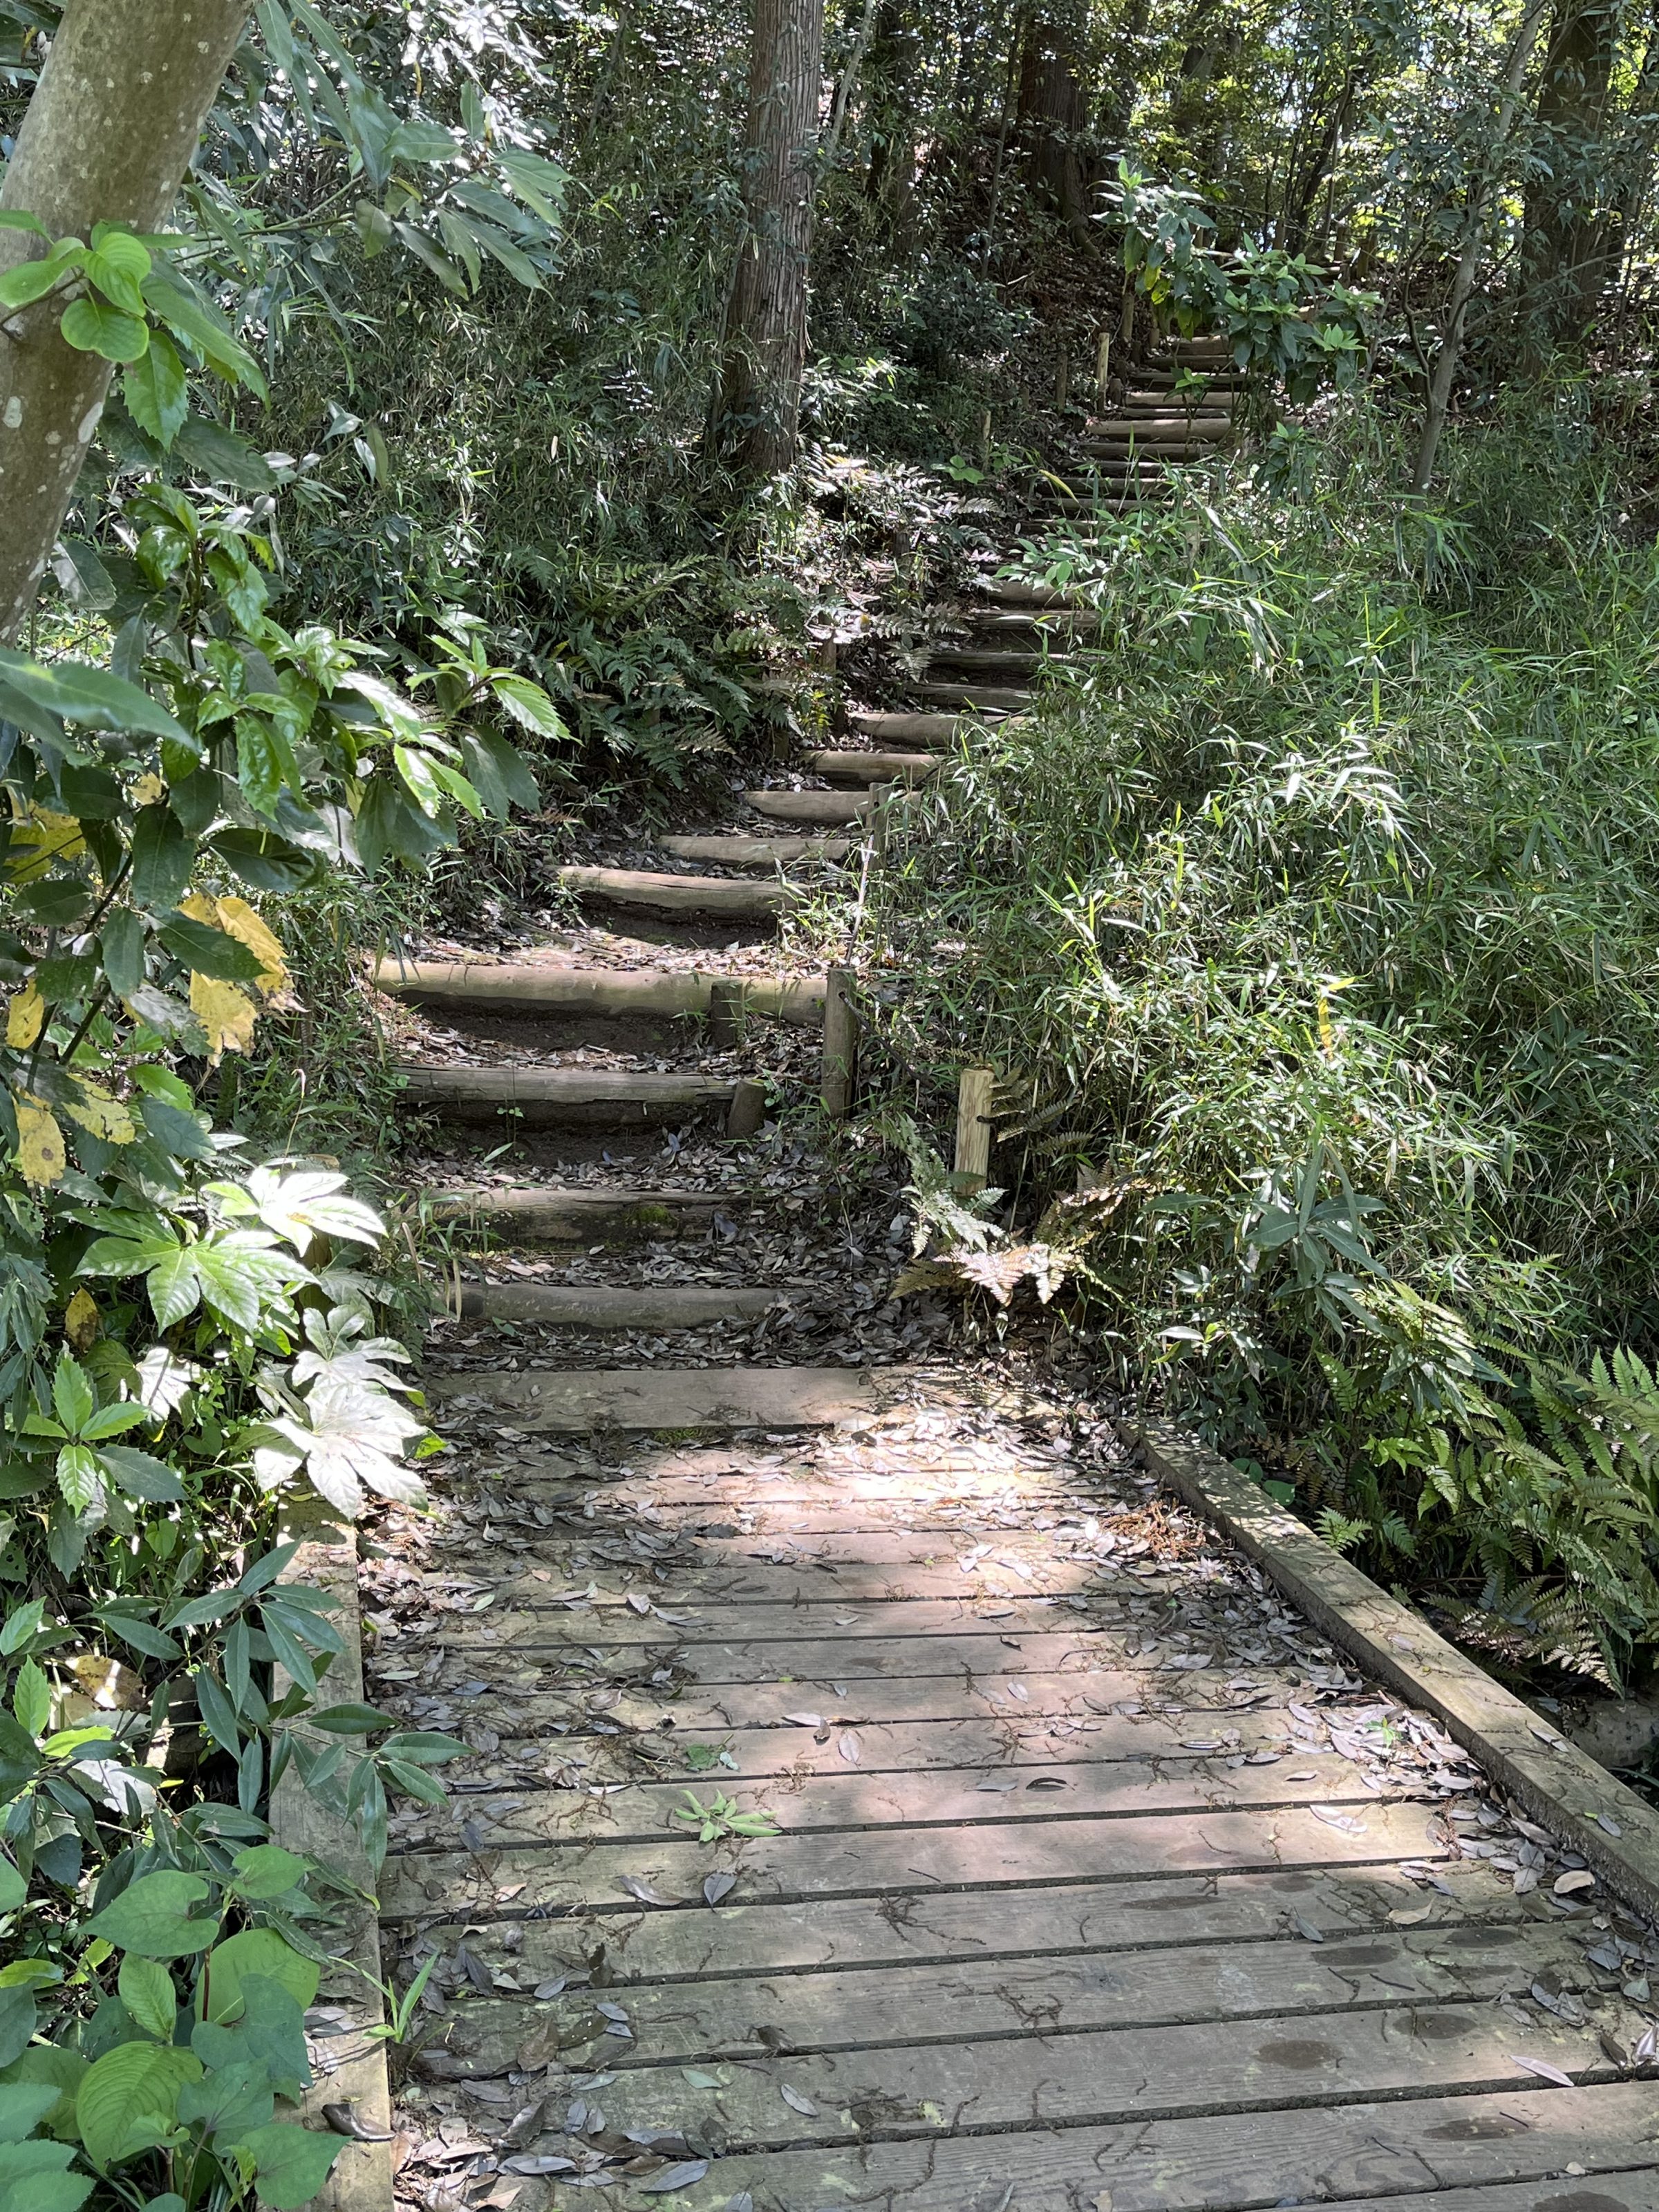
(1481, 192)
(108, 135)
(766, 330)
(1567, 233)
(1054, 117)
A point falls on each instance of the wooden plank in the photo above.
(975, 1131)
(872, 768)
(830, 807)
(578, 1214)
(848, 1581)
(1183, 1912)
(985, 697)
(736, 2017)
(538, 987)
(674, 1398)
(903, 1861)
(1096, 2078)
(1435, 2154)
(989, 1796)
(544, 1097)
(757, 852)
(1560, 1785)
(912, 729)
(602, 1306)
(669, 894)
(532, 1610)
(987, 1657)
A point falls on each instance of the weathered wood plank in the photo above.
(742, 898)
(1517, 2145)
(1183, 1912)
(673, 1398)
(906, 1860)
(549, 1097)
(857, 2009)
(689, 1616)
(1099, 2076)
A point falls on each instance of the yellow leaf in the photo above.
(148, 789)
(237, 919)
(227, 1014)
(24, 1016)
(40, 1151)
(80, 1322)
(102, 1113)
(54, 837)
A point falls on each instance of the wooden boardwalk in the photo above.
(880, 1796)
(1094, 1881)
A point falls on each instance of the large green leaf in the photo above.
(146, 1989)
(154, 1917)
(291, 2162)
(23, 2106)
(50, 2064)
(256, 1951)
(33, 2178)
(93, 326)
(209, 951)
(78, 693)
(162, 857)
(17, 2023)
(155, 390)
(130, 2099)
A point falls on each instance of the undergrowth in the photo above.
(1312, 923)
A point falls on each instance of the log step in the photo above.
(920, 729)
(1160, 430)
(665, 894)
(872, 768)
(832, 807)
(578, 1306)
(985, 660)
(564, 1097)
(756, 852)
(1016, 592)
(679, 1398)
(597, 991)
(979, 696)
(548, 1214)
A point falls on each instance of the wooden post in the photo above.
(1103, 368)
(974, 1128)
(725, 1015)
(747, 1111)
(1063, 379)
(841, 1044)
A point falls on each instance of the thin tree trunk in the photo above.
(766, 334)
(1051, 108)
(849, 77)
(1474, 237)
(1565, 244)
(108, 135)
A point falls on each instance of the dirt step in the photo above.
(579, 1305)
(1031, 622)
(602, 991)
(664, 894)
(872, 768)
(553, 1213)
(988, 697)
(1016, 591)
(985, 660)
(678, 1399)
(757, 852)
(920, 729)
(565, 1097)
(825, 806)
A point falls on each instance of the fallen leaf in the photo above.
(646, 1894)
(1306, 1930)
(797, 2102)
(805, 1720)
(638, 1601)
(1544, 2070)
(1573, 1882)
(1019, 1692)
(1410, 1916)
(1000, 1787)
(717, 1886)
(1605, 1820)
(682, 2176)
(850, 1748)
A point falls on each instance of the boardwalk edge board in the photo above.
(1562, 1788)
(349, 2068)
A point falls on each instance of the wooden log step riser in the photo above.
(676, 1400)
(544, 1099)
(938, 730)
(1014, 592)
(758, 852)
(823, 806)
(601, 991)
(1369, 2158)
(579, 1217)
(1153, 430)
(914, 1862)
(667, 894)
(871, 767)
(986, 661)
(859, 2010)
(556, 1305)
(976, 696)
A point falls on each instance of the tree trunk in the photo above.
(766, 331)
(890, 183)
(1567, 241)
(1055, 116)
(1482, 190)
(108, 135)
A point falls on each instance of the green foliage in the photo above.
(1318, 903)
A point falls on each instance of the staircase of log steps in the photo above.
(735, 885)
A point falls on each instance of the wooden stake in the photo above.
(747, 1111)
(1103, 368)
(974, 1128)
(841, 1044)
(724, 1016)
